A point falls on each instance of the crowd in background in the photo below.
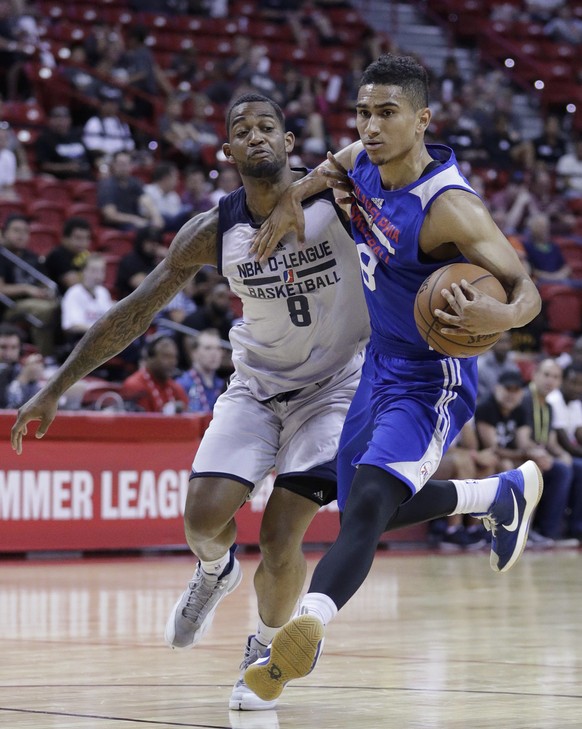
(137, 135)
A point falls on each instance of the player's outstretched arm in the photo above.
(193, 247)
(287, 216)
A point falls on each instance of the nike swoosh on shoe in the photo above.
(515, 521)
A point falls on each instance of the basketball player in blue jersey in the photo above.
(295, 376)
(411, 211)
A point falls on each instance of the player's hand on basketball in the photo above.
(43, 406)
(338, 179)
(287, 217)
(474, 311)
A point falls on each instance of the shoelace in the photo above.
(200, 592)
(490, 524)
(251, 655)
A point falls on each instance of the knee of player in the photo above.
(203, 517)
(278, 548)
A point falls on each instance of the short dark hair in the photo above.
(252, 98)
(403, 71)
(74, 223)
(151, 345)
(11, 330)
(13, 217)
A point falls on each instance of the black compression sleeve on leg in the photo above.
(374, 498)
(434, 500)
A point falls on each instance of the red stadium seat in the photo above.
(85, 210)
(8, 207)
(563, 308)
(116, 242)
(48, 212)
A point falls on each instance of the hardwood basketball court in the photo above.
(430, 642)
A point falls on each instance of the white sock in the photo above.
(475, 497)
(215, 567)
(265, 633)
(319, 605)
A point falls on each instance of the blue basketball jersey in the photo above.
(386, 226)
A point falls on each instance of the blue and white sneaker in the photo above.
(293, 654)
(242, 698)
(509, 516)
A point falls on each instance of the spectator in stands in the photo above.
(460, 132)
(20, 377)
(86, 301)
(527, 194)
(148, 251)
(76, 72)
(503, 426)
(13, 50)
(217, 84)
(293, 82)
(8, 164)
(505, 146)
(120, 198)
(450, 82)
(544, 256)
(96, 42)
(144, 74)
(554, 461)
(15, 145)
(187, 137)
(162, 196)
(304, 119)
(493, 364)
(176, 311)
(567, 418)
(152, 388)
(227, 181)
(105, 133)
(197, 194)
(184, 70)
(215, 314)
(60, 151)
(551, 144)
(564, 26)
(65, 263)
(569, 171)
(23, 281)
(201, 382)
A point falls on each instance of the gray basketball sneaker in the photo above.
(242, 698)
(192, 615)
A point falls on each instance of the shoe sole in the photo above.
(533, 486)
(294, 652)
(250, 702)
(170, 630)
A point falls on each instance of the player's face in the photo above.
(258, 144)
(387, 123)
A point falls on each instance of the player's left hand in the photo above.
(287, 217)
(474, 311)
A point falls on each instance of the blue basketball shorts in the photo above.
(404, 416)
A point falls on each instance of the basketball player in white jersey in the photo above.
(297, 356)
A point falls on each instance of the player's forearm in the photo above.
(105, 339)
(524, 302)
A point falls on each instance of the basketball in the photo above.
(429, 298)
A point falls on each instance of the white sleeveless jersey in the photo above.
(304, 313)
